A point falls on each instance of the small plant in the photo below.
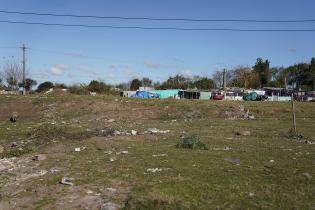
(191, 142)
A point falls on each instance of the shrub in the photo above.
(191, 142)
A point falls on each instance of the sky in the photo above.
(78, 55)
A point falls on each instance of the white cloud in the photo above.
(186, 73)
(58, 69)
(151, 64)
(75, 54)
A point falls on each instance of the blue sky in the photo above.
(78, 55)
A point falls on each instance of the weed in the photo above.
(191, 142)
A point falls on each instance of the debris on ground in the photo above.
(191, 142)
(133, 132)
(307, 175)
(110, 120)
(156, 131)
(299, 137)
(154, 170)
(236, 160)
(237, 112)
(271, 161)
(112, 159)
(14, 117)
(110, 206)
(243, 133)
(122, 152)
(223, 149)
(107, 131)
(39, 157)
(77, 149)
(160, 155)
(67, 181)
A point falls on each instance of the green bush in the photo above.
(191, 142)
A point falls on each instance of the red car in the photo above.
(217, 97)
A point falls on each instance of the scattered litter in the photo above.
(113, 159)
(133, 132)
(237, 160)
(160, 155)
(155, 131)
(89, 192)
(224, 149)
(243, 133)
(39, 157)
(110, 120)
(307, 175)
(110, 206)
(54, 170)
(237, 112)
(122, 152)
(154, 170)
(67, 181)
(113, 190)
(271, 161)
(108, 152)
(13, 117)
(251, 194)
(77, 149)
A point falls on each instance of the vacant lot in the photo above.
(121, 153)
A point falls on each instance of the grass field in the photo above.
(263, 170)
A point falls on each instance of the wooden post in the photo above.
(293, 114)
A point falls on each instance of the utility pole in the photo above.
(293, 114)
(224, 79)
(23, 63)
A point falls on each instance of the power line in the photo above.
(159, 19)
(157, 28)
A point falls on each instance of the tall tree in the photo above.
(29, 83)
(135, 84)
(12, 74)
(262, 69)
(146, 82)
(204, 83)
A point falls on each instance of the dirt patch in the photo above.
(25, 109)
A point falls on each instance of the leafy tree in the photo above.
(177, 82)
(204, 84)
(262, 69)
(99, 87)
(135, 84)
(29, 83)
(45, 86)
(146, 82)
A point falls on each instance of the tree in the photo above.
(146, 82)
(177, 82)
(45, 86)
(204, 83)
(99, 87)
(262, 69)
(29, 83)
(217, 77)
(135, 84)
(12, 74)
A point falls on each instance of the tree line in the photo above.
(300, 76)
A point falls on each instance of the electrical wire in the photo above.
(156, 28)
(159, 19)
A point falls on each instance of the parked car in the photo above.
(309, 96)
(217, 96)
